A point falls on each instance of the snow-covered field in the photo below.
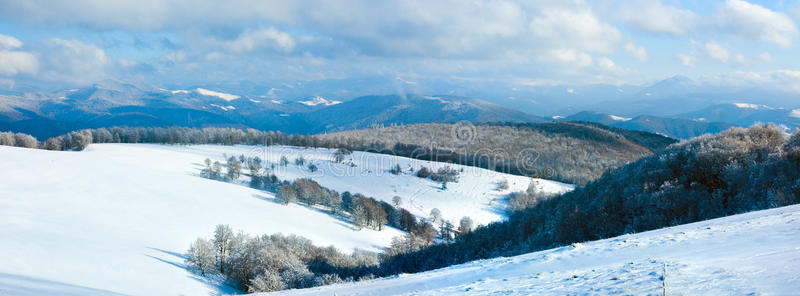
(117, 218)
(757, 253)
(475, 195)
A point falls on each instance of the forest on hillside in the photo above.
(569, 152)
(736, 171)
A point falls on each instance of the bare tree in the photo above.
(223, 242)
(201, 256)
(397, 200)
(234, 168)
(435, 215)
(286, 194)
(465, 225)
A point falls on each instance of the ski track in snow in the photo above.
(117, 218)
(756, 253)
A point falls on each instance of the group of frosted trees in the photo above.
(736, 171)
(361, 210)
(518, 201)
(275, 262)
(214, 170)
(18, 140)
(79, 140)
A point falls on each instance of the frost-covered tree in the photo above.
(201, 256)
(465, 225)
(234, 168)
(284, 161)
(286, 194)
(360, 214)
(300, 161)
(25, 141)
(207, 171)
(254, 165)
(55, 143)
(267, 281)
(397, 200)
(216, 170)
(396, 170)
(223, 242)
(435, 215)
(340, 154)
(7, 139)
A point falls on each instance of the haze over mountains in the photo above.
(659, 108)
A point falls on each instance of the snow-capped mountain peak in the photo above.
(752, 106)
(317, 100)
(221, 95)
(619, 118)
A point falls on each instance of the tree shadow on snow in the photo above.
(339, 219)
(498, 206)
(11, 284)
(215, 282)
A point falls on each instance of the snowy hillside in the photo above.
(475, 195)
(118, 217)
(749, 254)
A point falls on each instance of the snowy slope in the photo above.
(474, 195)
(117, 218)
(757, 253)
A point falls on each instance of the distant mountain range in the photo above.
(712, 119)
(672, 127)
(113, 103)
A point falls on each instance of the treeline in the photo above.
(79, 140)
(566, 151)
(569, 152)
(737, 171)
(275, 262)
(18, 140)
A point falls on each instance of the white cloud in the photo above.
(714, 51)
(688, 60)
(13, 63)
(577, 28)
(785, 80)
(72, 61)
(757, 22)
(8, 42)
(653, 16)
(262, 39)
(569, 56)
(607, 66)
(637, 51)
(717, 52)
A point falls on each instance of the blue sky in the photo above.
(189, 43)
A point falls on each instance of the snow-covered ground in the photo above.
(475, 195)
(757, 253)
(117, 218)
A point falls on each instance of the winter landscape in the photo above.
(489, 147)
